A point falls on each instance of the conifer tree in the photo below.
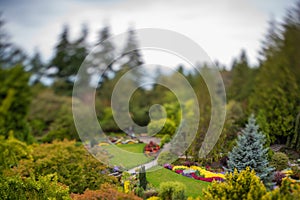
(250, 152)
(142, 178)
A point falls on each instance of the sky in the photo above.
(221, 27)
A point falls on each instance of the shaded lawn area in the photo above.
(193, 187)
(127, 155)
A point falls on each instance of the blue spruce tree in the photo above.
(250, 152)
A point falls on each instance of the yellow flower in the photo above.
(126, 186)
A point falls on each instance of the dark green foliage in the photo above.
(15, 98)
(242, 79)
(279, 161)
(274, 101)
(142, 178)
(250, 152)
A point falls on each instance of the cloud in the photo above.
(221, 27)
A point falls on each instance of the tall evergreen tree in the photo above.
(36, 67)
(242, 79)
(131, 51)
(62, 57)
(10, 54)
(102, 58)
(250, 152)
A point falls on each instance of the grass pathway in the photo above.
(131, 156)
(193, 187)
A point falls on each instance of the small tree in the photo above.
(279, 161)
(142, 178)
(250, 152)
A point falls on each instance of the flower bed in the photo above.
(196, 172)
(151, 147)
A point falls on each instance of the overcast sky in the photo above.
(221, 27)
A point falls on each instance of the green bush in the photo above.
(161, 127)
(74, 166)
(45, 187)
(166, 158)
(172, 190)
(279, 161)
(164, 140)
(238, 186)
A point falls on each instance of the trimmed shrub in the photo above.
(172, 190)
(279, 161)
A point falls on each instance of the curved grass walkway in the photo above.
(131, 157)
(193, 187)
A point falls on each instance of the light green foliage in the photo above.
(74, 166)
(279, 161)
(43, 188)
(12, 151)
(161, 127)
(287, 191)
(172, 190)
(238, 186)
(166, 138)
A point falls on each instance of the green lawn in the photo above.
(193, 187)
(134, 148)
(127, 155)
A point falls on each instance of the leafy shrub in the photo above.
(166, 157)
(11, 151)
(161, 127)
(45, 187)
(139, 191)
(75, 167)
(279, 161)
(105, 192)
(243, 185)
(166, 138)
(172, 190)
